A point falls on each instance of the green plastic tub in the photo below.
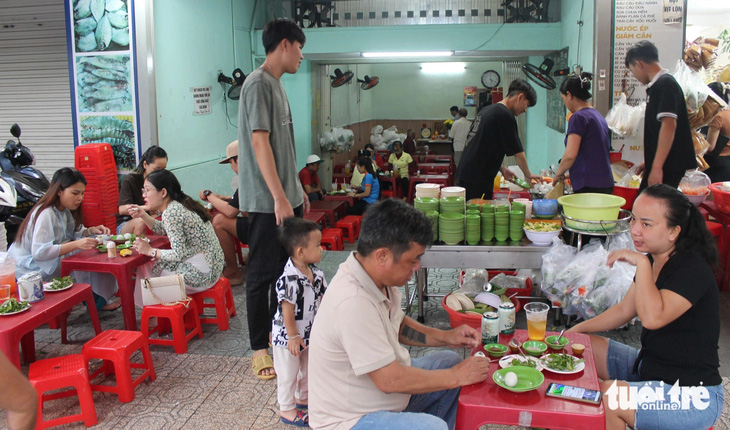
(591, 207)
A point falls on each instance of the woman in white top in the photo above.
(54, 230)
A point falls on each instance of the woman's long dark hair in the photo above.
(694, 236)
(578, 86)
(165, 179)
(150, 155)
(62, 179)
(367, 163)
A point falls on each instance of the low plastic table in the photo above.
(18, 328)
(349, 200)
(317, 217)
(488, 403)
(330, 209)
(121, 267)
(444, 180)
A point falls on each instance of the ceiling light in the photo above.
(409, 54)
(443, 68)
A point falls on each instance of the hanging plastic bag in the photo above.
(624, 119)
(694, 88)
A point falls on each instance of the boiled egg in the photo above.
(510, 379)
(127, 235)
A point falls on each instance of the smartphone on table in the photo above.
(569, 392)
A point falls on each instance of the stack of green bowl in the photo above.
(516, 222)
(488, 208)
(451, 205)
(517, 206)
(472, 207)
(433, 217)
(501, 208)
(473, 231)
(501, 225)
(451, 228)
(487, 230)
(472, 212)
(426, 204)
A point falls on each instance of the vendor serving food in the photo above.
(675, 296)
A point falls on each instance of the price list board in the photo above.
(658, 21)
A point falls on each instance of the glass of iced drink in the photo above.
(537, 313)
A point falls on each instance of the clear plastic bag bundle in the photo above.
(553, 262)
(695, 183)
(624, 119)
(474, 281)
(630, 179)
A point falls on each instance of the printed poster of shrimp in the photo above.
(103, 83)
(116, 130)
(470, 96)
(101, 25)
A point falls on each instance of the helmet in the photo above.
(8, 196)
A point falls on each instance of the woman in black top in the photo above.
(130, 191)
(675, 296)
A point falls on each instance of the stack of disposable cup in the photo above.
(528, 206)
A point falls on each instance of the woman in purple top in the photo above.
(587, 143)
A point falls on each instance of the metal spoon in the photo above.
(561, 335)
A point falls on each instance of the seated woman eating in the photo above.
(154, 158)
(195, 251)
(53, 230)
(675, 295)
(370, 190)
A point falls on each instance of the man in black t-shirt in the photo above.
(492, 135)
(668, 149)
(228, 222)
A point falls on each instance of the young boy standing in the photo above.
(299, 293)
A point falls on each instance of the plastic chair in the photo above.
(222, 297)
(61, 372)
(179, 318)
(336, 236)
(238, 246)
(116, 347)
(351, 227)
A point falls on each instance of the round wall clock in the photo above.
(490, 79)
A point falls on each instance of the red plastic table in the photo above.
(317, 217)
(488, 403)
(724, 242)
(18, 328)
(330, 209)
(121, 267)
(394, 184)
(340, 198)
(435, 179)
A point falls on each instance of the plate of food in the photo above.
(120, 239)
(58, 284)
(124, 246)
(518, 360)
(12, 306)
(563, 363)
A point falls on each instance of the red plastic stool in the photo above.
(61, 372)
(238, 246)
(334, 238)
(179, 318)
(350, 227)
(116, 347)
(357, 218)
(386, 193)
(223, 304)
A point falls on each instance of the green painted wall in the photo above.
(544, 145)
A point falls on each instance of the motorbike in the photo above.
(29, 183)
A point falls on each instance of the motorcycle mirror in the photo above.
(15, 130)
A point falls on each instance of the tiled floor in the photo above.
(213, 387)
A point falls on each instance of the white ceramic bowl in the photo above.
(541, 237)
(697, 200)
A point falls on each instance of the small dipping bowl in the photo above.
(534, 347)
(578, 349)
(552, 342)
(514, 346)
(495, 349)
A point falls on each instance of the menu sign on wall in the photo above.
(100, 36)
(642, 20)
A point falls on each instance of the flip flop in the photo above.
(261, 363)
(301, 420)
(112, 306)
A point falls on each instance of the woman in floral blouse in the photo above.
(195, 251)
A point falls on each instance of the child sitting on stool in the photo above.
(299, 293)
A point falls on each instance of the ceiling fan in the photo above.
(339, 79)
(236, 82)
(541, 75)
(368, 82)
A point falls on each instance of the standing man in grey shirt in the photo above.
(269, 187)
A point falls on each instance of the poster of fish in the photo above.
(101, 25)
(101, 58)
(116, 130)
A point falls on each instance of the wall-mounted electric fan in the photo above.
(541, 75)
(236, 82)
(368, 82)
(339, 78)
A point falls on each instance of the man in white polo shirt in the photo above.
(360, 375)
